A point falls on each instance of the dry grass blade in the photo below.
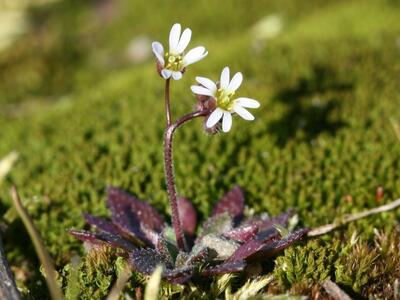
(40, 248)
(153, 285)
(120, 284)
(353, 217)
(335, 291)
(250, 288)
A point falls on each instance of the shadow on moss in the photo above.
(311, 106)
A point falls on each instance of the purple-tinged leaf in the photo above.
(230, 267)
(150, 235)
(97, 238)
(187, 215)
(272, 249)
(242, 233)
(131, 215)
(145, 260)
(101, 224)
(232, 202)
(264, 222)
(253, 246)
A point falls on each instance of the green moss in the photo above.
(81, 117)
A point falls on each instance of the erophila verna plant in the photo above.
(227, 241)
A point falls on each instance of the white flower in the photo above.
(173, 62)
(226, 103)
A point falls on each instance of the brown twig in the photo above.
(353, 217)
(40, 248)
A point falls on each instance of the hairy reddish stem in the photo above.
(169, 174)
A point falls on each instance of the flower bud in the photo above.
(212, 130)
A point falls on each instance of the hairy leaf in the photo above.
(242, 233)
(264, 222)
(96, 238)
(253, 246)
(217, 224)
(222, 247)
(145, 260)
(272, 249)
(131, 215)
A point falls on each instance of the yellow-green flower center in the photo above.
(173, 62)
(225, 99)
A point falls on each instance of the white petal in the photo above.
(208, 83)
(247, 102)
(166, 73)
(158, 50)
(224, 81)
(244, 113)
(194, 55)
(227, 121)
(214, 117)
(174, 37)
(184, 40)
(235, 82)
(199, 90)
(176, 75)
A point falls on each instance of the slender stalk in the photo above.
(44, 257)
(169, 174)
(167, 103)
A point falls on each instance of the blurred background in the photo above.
(81, 104)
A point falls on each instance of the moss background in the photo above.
(82, 116)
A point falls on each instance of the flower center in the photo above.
(225, 99)
(173, 62)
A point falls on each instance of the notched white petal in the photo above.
(244, 113)
(224, 81)
(194, 55)
(184, 40)
(176, 75)
(165, 73)
(226, 121)
(247, 102)
(214, 117)
(199, 90)
(235, 82)
(158, 51)
(174, 37)
(208, 83)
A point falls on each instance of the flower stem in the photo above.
(167, 103)
(169, 174)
